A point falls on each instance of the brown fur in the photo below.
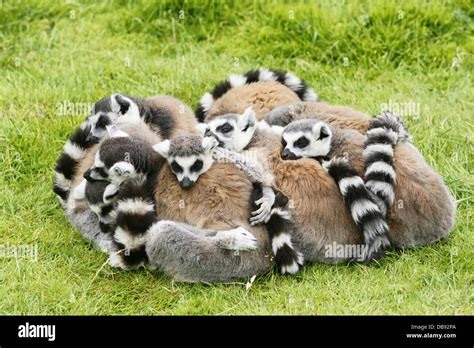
(185, 121)
(425, 212)
(219, 200)
(262, 96)
(339, 116)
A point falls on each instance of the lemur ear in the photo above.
(201, 128)
(209, 143)
(321, 130)
(247, 119)
(120, 104)
(162, 148)
(115, 132)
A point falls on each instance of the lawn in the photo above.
(57, 58)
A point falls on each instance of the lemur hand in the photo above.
(238, 239)
(264, 212)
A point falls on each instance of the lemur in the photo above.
(167, 116)
(191, 156)
(316, 139)
(263, 88)
(236, 132)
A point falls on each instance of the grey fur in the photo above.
(189, 254)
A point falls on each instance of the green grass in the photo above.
(361, 54)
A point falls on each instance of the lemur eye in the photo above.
(225, 128)
(283, 142)
(103, 121)
(197, 166)
(176, 167)
(301, 142)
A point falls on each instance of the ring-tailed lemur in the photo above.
(317, 139)
(234, 94)
(236, 133)
(167, 116)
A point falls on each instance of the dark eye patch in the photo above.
(225, 128)
(301, 142)
(323, 134)
(103, 121)
(197, 166)
(176, 167)
(283, 142)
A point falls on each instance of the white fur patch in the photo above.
(280, 240)
(135, 206)
(130, 241)
(80, 190)
(62, 182)
(380, 167)
(380, 186)
(73, 150)
(237, 80)
(206, 101)
(353, 181)
(382, 131)
(310, 95)
(292, 81)
(378, 148)
(361, 207)
(266, 75)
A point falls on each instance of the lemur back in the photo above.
(262, 89)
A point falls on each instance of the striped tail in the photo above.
(385, 131)
(73, 152)
(279, 228)
(135, 215)
(364, 210)
(288, 79)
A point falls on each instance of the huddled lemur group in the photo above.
(261, 174)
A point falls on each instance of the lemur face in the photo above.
(306, 138)
(114, 110)
(113, 162)
(188, 156)
(233, 131)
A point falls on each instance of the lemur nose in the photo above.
(287, 154)
(186, 183)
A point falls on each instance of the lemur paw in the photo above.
(121, 171)
(237, 239)
(264, 212)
